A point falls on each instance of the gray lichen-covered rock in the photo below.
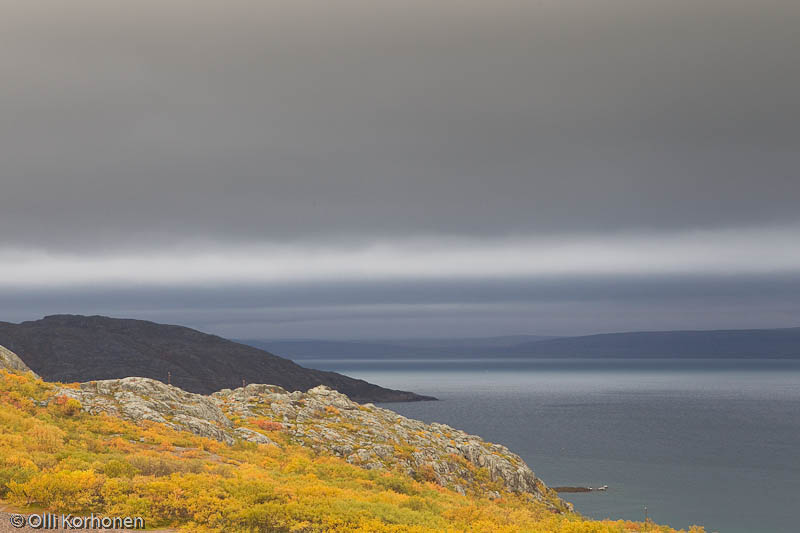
(11, 361)
(329, 423)
(253, 436)
(376, 438)
(147, 399)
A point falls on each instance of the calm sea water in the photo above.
(710, 442)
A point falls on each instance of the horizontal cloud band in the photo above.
(752, 251)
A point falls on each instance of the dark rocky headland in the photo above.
(71, 348)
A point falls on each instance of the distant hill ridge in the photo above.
(731, 343)
(73, 348)
(390, 348)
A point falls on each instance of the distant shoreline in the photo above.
(781, 343)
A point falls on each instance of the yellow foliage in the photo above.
(66, 406)
(267, 425)
(60, 491)
(60, 459)
(46, 437)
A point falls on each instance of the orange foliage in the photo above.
(67, 406)
(268, 425)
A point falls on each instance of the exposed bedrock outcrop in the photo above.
(329, 423)
(140, 399)
(11, 361)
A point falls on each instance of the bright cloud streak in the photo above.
(728, 252)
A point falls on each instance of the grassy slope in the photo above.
(59, 458)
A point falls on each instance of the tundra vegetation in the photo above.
(55, 455)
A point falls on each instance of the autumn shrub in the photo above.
(18, 474)
(161, 465)
(45, 437)
(425, 473)
(117, 468)
(398, 484)
(66, 406)
(268, 425)
(62, 491)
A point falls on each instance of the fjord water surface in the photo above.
(709, 442)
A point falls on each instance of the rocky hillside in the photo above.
(327, 422)
(79, 348)
(259, 458)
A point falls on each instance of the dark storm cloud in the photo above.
(142, 124)
(386, 168)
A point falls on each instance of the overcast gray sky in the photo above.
(386, 169)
